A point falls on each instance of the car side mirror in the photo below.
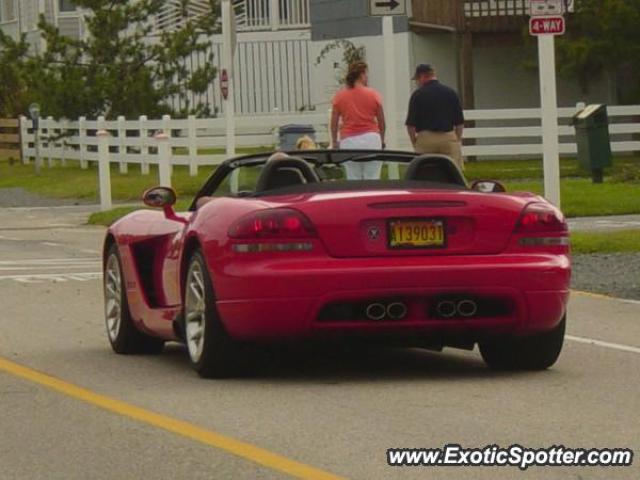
(159, 197)
(165, 198)
(488, 186)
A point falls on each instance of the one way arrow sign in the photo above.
(387, 7)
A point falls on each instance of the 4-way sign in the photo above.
(382, 8)
(547, 25)
(547, 17)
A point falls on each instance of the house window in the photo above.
(7, 10)
(67, 6)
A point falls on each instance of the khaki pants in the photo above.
(444, 143)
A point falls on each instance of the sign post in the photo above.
(391, 104)
(228, 52)
(388, 9)
(390, 75)
(546, 22)
(34, 112)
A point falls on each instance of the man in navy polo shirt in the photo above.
(435, 121)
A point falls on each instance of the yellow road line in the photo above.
(235, 447)
(606, 297)
(594, 295)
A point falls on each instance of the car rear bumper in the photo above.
(286, 299)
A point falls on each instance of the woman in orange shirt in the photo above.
(357, 109)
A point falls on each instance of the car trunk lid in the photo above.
(363, 224)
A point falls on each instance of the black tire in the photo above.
(126, 339)
(535, 352)
(219, 356)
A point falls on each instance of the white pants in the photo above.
(362, 170)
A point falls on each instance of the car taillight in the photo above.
(277, 223)
(541, 218)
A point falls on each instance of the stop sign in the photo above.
(224, 83)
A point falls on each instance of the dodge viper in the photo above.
(282, 248)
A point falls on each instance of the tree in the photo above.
(13, 80)
(603, 36)
(124, 66)
(350, 55)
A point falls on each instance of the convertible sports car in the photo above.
(283, 248)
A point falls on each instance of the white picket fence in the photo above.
(132, 141)
(512, 133)
(503, 139)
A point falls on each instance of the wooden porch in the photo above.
(475, 16)
(470, 20)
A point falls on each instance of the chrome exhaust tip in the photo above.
(446, 309)
(397, 310)
(376, 311)
(467, 308)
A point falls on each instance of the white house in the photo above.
(273, 59)
(476, 45)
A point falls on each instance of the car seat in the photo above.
(285, 172)
(434, 168)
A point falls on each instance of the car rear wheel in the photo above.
(535, 352)
(213, 353)
(124, 337)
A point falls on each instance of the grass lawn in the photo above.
(73, 182)
(581, 198)
(506, 170)
(620, 194)
(622, 241)
(108, 217)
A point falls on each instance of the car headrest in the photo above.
(285, 172)
(434, 168)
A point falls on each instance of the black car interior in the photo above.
(434, 168)
(321, 171)
(285, 172)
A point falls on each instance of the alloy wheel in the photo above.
(195, 311)
(113, 297)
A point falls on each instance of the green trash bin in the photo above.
(592, 137)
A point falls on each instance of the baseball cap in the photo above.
(423, 68)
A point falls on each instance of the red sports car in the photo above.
(284, 248)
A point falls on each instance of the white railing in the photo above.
(294, 13)
(255, 15)
(513, 133)
(499, 8)
(173, 13)
(270, 74)
(492, 8)
(252, 14)
(497, 133)
(193, 141)
(504, 139)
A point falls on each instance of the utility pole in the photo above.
(34, 112)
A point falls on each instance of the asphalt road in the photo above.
(605, 224)
(98, 415)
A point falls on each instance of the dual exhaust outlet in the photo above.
(465, 308)
(381, 311)
(462, 308)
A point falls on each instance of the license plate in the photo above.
(416, 233)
